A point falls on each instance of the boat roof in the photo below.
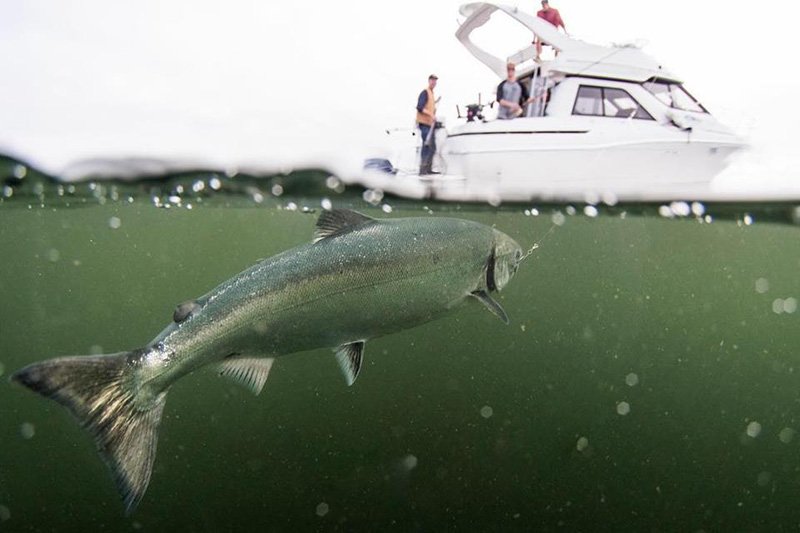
(575, 57)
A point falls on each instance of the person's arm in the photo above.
(502, 101)
(560, 21)
(525, 97)
(421, 101)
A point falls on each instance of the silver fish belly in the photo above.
(361, 278)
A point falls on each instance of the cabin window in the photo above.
(608, 102)
(674, 95)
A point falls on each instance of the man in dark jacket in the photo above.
(511, 95)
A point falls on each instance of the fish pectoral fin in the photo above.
(349, 357)
(492, 305)
(337, 221)
(252, 372)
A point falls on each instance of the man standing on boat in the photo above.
(551, 15)
(511, 95)
(426, 122)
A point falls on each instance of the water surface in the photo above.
(648, 379)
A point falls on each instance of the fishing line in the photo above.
(536, 244)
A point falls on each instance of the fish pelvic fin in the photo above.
(252, 372)
(99, 392)
(349, 357)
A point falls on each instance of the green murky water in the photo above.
(649, 380)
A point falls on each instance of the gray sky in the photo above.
(247, 81)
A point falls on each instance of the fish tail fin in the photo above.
(99, 391)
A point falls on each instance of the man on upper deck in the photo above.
(551, 15)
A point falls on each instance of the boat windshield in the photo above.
(674, 95)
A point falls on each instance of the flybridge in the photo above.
(575, 57)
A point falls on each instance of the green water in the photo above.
(649, 380)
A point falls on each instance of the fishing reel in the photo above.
(474, 111)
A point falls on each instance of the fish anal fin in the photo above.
(252, 372)
(349, 357)
(338, 221)
(491, 304)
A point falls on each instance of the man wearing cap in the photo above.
(426, 120)
(551, 15)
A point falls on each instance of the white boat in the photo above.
(615, 124)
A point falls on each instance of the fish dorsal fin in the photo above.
(349, 357)
(252, 372)
(492, 305)
(337, 221)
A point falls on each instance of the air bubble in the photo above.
(582, 444)
(27, 430)
(558, 218)
(277, 189)
(114, 223)
(410, 462)
(753, 429)
(53, 255)
(623, 408)
(631, 380)
(386, 208)
(790, 305)
(5, 513)
(786, 435)
(323, 509)
(590, 211)
(486, 411)
(326, 204)
(762, 285)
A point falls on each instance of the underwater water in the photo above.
(649, 379)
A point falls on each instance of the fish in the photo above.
(360, 278)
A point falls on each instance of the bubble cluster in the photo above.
(684, 209)
(372, 196)
(781, 305)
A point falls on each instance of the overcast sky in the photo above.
(257, 81)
